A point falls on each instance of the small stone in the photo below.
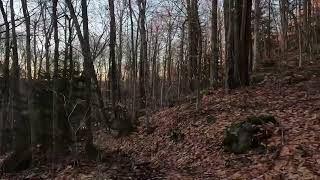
(211, 119)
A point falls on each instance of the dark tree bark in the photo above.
(48, 33)
(245, 42)
(35, 54)
(21, 141)
(113, 40)
(55, 108)
(5, 83)
(15, 60)
(169, 60)
(70, 57)
(256, 44)
(284, 25)
(214, 41)
(120, 51)
(143, 52)
(181, 75)
(33, 130)
(28, 38)
(238, 42)
(154, 76)
(134, 62)
(194, 41)
(88, 69)
(66, 48)
(89, 73)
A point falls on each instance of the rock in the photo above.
(261, 120)
(211, 119)
(17, 161)
(242, 137)
(176, 136)
(257, 78)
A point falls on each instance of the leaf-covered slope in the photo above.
(293, 151)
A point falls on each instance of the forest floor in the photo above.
(184, 143)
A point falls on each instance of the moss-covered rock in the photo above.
(242, 137)
(260, 120)
(257, 78)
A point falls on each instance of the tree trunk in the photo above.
(113, 35)
(169, 60)
(134, 63)
(238, 43)
(143, 52)
(48, 33)
(284, 25)
(70, 57)
(55, 73)
(33, 130)
(119, 56)
(245, 40)
(214, 42)
(5, 83)
(229, 59)
(181, 60)
(256, 43)
(89, 73)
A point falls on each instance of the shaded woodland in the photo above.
(133, 85)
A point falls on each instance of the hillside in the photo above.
(293, 151)
(183, 143)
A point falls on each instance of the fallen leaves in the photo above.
(293, 150)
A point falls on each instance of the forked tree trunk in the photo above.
(89, 73)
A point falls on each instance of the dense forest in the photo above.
(159, 89)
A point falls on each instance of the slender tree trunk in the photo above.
(5, 86)
(19, 143)
(55, 92)
(70, 57)
(284, 26)
(119, 56)
(298, 13)
(154, 68)
(169, 61)
(113, 35)
(181, 60)
(48, 33)
(66, 48)
(143, 52)
(256, 43)
(134, 63)
(214, 42)
(35, 54)
(33, 138)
